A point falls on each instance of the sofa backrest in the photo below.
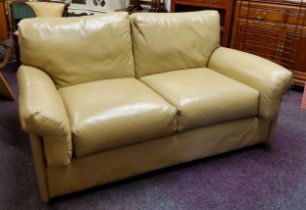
(167, 42)
(77, 50)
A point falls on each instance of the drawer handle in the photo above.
(215, 1)
(260, 15)
(280, 49)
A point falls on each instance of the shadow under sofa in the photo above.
(151, 91)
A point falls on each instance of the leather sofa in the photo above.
(112, 96)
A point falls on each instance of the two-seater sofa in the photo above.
(111, 96)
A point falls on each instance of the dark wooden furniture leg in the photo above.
(5, 89)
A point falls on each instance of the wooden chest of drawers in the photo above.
(3, 22)
(275, 30)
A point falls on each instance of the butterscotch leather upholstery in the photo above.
(269, 78)
(105, 167)
(204, 97)
(61, 47)
(110, 119)
(98, 112)
(183, 41)
(42, 113)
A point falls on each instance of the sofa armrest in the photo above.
(270, 79)
(42, 113)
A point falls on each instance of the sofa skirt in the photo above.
(117, 164)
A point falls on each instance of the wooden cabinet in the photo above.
(225, 8)
(275, 30)
(3, 22)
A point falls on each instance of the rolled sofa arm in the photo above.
(270, 79)
(42, 113)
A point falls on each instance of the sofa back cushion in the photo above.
(78, 49)
(167, 42)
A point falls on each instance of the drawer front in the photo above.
(203, 2)
(273, 31)
(251, 43)
(263, 12)
(268, 42)
(297, 16)
(272, 12)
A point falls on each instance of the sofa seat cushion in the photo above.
(114, 113)
(204, 97)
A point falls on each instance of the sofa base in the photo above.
(117, 164)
